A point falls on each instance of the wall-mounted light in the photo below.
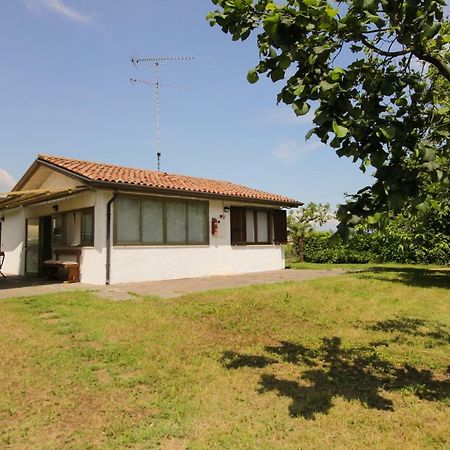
(55, 207)
(226, 209)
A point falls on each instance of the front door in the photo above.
(38, 246)
(32, 247)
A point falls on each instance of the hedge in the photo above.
(392, 246)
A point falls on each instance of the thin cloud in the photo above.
(290, 150)
(6, 181)
(60, 8)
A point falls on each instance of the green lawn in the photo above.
(356, 361)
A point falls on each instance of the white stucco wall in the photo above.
(13, 238)
(141, 263)
(93, 259)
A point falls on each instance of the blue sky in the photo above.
(64, 90)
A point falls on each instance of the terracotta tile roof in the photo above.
(100, 172)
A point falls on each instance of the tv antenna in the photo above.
(156, 63)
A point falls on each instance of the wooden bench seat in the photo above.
(71, 267)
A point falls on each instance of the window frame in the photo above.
(255, 226)
(90, 211)
(270, 230)
(63, 215)
(165, 201)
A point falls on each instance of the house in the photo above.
(128, 224)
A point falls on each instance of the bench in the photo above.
(71, 267)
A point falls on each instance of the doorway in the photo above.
(38, 246)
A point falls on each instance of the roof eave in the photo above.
(187, 193)
(164, 191)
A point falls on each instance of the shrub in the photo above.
(389, 245)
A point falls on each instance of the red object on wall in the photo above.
(214, 226)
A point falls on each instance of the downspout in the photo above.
(108, 237)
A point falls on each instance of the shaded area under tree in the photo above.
(332, 370)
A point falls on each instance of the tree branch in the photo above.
(383, 52)
(440, 65)
(443, 68)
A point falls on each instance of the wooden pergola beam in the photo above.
(18, 193)
(36, 195)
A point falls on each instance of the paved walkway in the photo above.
(23, 287)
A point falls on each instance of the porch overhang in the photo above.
(14, 199)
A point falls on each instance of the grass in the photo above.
(294, 264)
(359, 360)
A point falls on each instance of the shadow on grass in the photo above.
(416, 277)
(414, 327)
(331, 371)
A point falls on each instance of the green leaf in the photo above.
(368, 4)
(284, 61)
(376, 218)
(321, 49)
(339, 130)
(271, 25)
(429, 154)
(332, 12)
(325, 86)
(336, 74)
(252, 76)
(423, 206)
(431, 31)
(402, 101)
(277, 74)
(388, 132)
(299, 89)
(300, 108)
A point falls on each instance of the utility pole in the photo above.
(156, 63)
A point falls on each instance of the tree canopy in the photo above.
(374, 72)
(301, 221)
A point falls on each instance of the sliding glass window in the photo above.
(155, 221)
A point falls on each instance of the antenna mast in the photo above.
(156, 62)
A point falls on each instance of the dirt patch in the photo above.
(173, 444)
(95, 345)
(103, 376)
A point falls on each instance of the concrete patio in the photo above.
(16, 286)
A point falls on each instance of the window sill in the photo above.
(72, 247)
(138, 246)
(257, 244)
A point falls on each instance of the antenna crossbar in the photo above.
(156, 61)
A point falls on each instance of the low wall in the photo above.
(165, 263)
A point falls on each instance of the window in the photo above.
(87, 227)
(197, 215)
(257, 226)
(58, 231)
(160, 221)
(73, 228)
(152, 222)
(176, 222)
(128, 225)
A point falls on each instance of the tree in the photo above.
(362, 64)
(302, 220)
